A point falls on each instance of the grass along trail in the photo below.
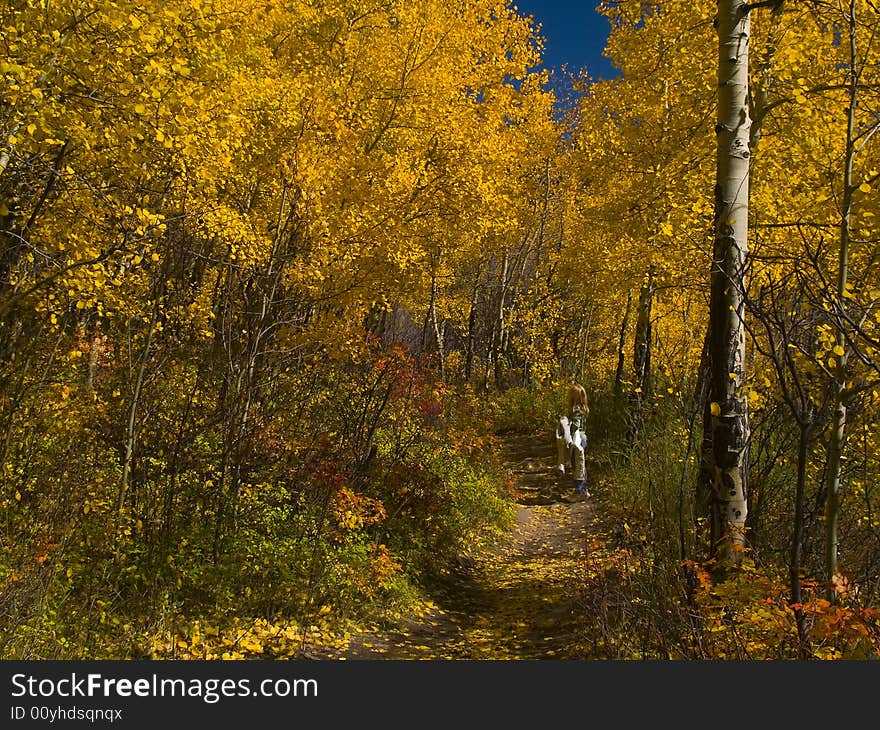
(519, 598)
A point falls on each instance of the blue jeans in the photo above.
(570, 450)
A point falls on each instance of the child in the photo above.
(571, 437)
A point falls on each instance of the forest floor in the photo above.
(518, 598)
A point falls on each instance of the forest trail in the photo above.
(517, 599)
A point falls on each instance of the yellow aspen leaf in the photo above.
(18, 496)
(715, 409)
(865, 188)
(838, 350)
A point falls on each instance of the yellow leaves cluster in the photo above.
(242, 638)
(357, 157)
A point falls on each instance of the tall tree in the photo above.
(729, 406)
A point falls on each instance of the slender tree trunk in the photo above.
(704, 488)
(837, 440)
(131, 429)
(729, 407)
(490, 347)
(642, 344)
(427, 321)
(794, 566)
(706, 471)
(621, 345)
(499, 328)
(438, 338)
(471, 335)
(434, 321)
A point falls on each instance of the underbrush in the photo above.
(651, 592)
(351, 484)
(524, 409)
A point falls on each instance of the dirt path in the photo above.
(517, 599)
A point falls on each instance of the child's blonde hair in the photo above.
(577, 398)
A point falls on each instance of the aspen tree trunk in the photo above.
(838, 423)
(729, 407)
(423, 343)
(621, 344)
(496, 336)
(545, 208)
(472, 322)
(436, 327)
(501, 328)
(439, 336)
(642, 344)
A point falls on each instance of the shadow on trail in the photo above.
(532, 461)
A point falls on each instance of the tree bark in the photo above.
(471, 335)
(729, 407)
(621, 345)
(794, 566)
(642, 344)
(496, 339)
